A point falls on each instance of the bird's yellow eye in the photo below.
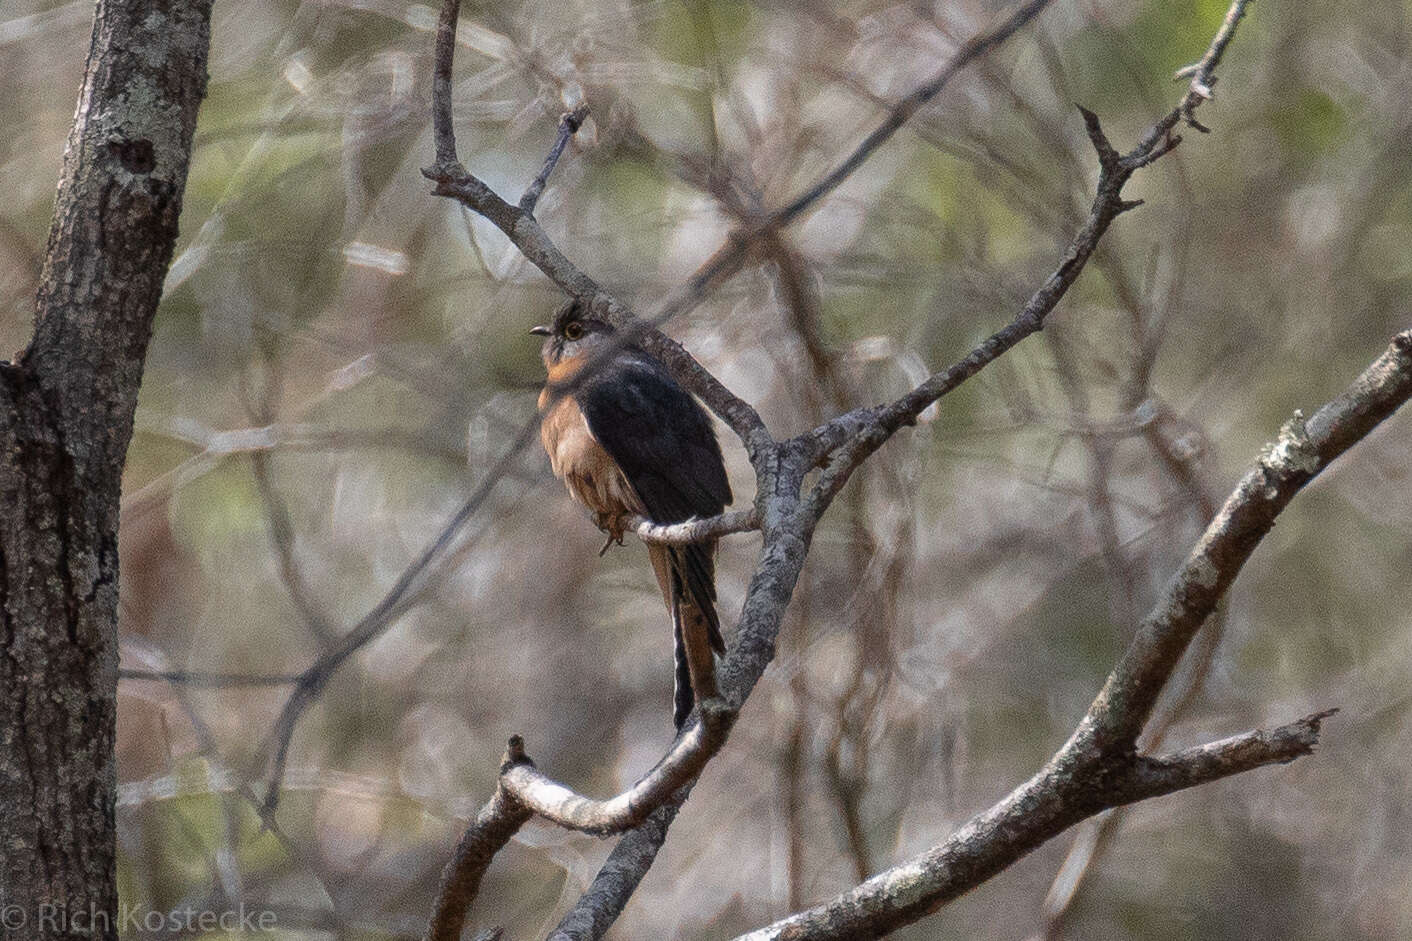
(573, 330)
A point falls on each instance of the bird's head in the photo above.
(575, 332)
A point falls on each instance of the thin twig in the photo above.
(441, 118)
(569, 125)
(206, 680)
(901, 112)
(856, 435)
(414, 580)
(1202, 74)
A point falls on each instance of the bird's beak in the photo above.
(541, 331)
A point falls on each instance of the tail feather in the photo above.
(692, 654)
(683, 697)
(688, 586)
(697, 565)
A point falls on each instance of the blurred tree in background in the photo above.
(340, 358)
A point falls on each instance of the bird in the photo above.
(627, 440)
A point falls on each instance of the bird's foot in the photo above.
(614, 524)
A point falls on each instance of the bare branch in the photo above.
(1097, 768)
(617, 879)
(282, 539)
(688, 755)
(859, 433)
(402, 595)
(442, 125)
(1060, 795)
(569, 125)
(694, 530)
(901, 112)
(1175, 771)
(1202, 77)
(1301, 452)
(496, 823)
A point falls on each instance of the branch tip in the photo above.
(1302, 734)
(573, 120)
(1107, 156)
(1315, 721)
(515, 753)
(569, 123)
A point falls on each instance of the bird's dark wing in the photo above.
(664, 443)
(660, 437)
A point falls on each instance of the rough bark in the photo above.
(66, 412)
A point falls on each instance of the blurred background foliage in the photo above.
(340, 358)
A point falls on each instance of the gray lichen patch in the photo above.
(1292, 450)
(1203, 572)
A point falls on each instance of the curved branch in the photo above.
(656, 798)
(688, 755)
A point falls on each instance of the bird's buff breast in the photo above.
(579, 460)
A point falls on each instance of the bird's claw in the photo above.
(613, 525)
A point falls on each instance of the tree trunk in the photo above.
(66, 411)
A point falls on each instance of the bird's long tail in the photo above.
(687, 577)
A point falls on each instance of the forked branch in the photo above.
(1097, 768)
(1063, 793)
(848, 440)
